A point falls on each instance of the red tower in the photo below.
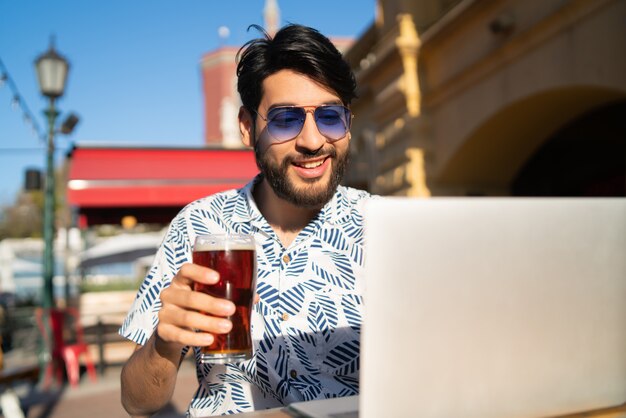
(221, 100)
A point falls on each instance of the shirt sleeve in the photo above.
(174, 251)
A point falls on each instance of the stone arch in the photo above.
(587, 157)
(490, 158)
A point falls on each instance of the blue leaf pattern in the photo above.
(306, 326)
(310, 388)
(351, 305)
(298, 264)
(351, 385)
(292, 300)
(344, 358)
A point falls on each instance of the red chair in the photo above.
(62, 326)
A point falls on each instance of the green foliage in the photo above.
(110, 286)
(25, 218)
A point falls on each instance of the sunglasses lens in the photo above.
(333, 121)
(285, 123)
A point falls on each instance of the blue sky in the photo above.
(135, 75)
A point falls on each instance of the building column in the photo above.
(416, 173)
(408, 44)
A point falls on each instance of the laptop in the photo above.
(491, 307)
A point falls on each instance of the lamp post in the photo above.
(52, 71)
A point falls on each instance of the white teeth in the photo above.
(312, 164)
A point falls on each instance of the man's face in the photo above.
(306, 170)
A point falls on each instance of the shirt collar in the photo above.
(250, 212)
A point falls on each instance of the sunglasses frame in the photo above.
(308, 109)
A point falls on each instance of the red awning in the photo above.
(103, 178)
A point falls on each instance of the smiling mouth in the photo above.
(310, 164)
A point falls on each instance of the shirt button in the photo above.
(285, 316)
(293, 374)
(286, 259)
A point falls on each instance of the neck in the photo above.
(285, 218)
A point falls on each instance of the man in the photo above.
(295, 89)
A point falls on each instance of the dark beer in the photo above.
(237, 269)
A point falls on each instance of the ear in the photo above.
(246, 127)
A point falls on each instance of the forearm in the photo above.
(149, 376)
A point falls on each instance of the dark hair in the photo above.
(294, 47)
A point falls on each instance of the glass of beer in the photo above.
(233, 256)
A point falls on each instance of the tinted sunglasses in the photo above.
(286, 122)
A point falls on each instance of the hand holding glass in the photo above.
(233, 256)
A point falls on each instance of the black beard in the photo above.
(305, 197)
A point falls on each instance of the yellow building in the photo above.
(491, 97)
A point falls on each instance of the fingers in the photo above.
(180, 325)
(183, 318)
(190, 273)
(171, 333)
(182, 301)
(184, 311)
(197, 301)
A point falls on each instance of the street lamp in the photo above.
(52, 71)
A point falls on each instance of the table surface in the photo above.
(268, 413)
(612, 412)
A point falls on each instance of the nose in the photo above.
(310, 138)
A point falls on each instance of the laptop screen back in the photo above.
(503, 307)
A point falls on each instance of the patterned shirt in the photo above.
(306, 326)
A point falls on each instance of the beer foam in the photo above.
(218, 242)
